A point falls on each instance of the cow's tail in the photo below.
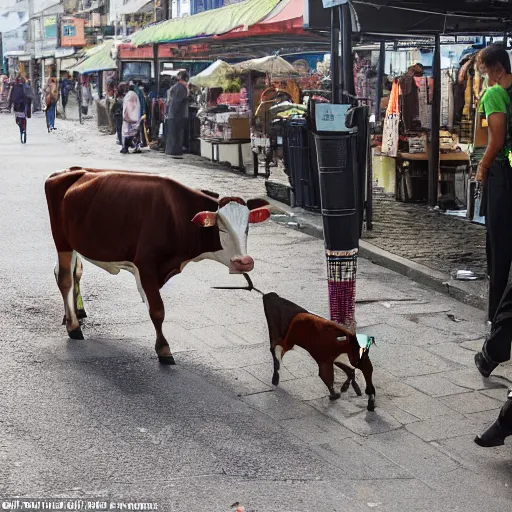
(55, 188)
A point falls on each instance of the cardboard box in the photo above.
(240, 128)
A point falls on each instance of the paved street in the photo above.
(100, 418)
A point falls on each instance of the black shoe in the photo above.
(494, 436)
(124, 151)
(485, 367)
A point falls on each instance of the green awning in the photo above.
(96, 59)
(207, 23)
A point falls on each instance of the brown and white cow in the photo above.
(146, 224)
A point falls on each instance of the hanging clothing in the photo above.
(409, 106)
(390, 132)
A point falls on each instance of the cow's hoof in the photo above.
(334, 396)
(76, 334)
(356, 388)
(371, 403)
(167, 360)
(81, 314)
(275, 379)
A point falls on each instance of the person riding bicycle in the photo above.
(20, 104)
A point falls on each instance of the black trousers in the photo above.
(64, 99)
(499, 230)
(497, 346)
(174, 137)
(505, 416)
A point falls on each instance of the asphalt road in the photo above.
(100, 419)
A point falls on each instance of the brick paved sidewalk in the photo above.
(429, 237)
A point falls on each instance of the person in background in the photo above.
(117, 111)
(51, 97)
(86, 95)
(495, 171)
(131, 120)
(20, 104)
(66, 86)
(177, 114)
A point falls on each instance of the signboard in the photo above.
(315, 16)
(331, 118)
(50, 27)
(333, 3)
(72, 32)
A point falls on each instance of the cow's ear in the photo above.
(205, 219)
(252, 204)
(259, 215)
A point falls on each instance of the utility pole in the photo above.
(30, 37)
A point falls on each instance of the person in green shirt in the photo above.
(495, 171)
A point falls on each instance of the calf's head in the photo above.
(232, 220)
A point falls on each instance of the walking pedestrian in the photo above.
(117, 111)
(131, 120)
(177, 114)
(66, 86)
(51, 97)
(495, 171)
(86, 95)
(20, 103)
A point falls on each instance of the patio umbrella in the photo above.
(272, 64)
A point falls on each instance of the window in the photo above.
(69, 30)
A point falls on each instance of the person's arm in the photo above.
(495, 108)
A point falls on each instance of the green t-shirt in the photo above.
(497, 99)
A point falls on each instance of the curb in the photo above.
(463, 291)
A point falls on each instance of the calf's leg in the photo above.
(157, 315)
(351, 378)
(365, 365)
(326, 373)
(65, 282)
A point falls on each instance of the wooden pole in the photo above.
(433, 168)
(380, 80)
(156, 65)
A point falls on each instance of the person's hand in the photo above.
(481, 173)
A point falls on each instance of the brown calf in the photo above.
(326, 341)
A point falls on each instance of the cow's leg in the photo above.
(157, 315)
(65, 282)
(351, 378)
(79, 302)
(365, 365)
(326, 373)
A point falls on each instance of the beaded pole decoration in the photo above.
(341, 276)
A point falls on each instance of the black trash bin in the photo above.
(336, 156)
(302, 172)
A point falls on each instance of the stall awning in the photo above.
(287, 17)
(205, 24)
(418, 17)
(96, 59)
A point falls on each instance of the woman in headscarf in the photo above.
(131, 119)
(20, 104)
(51, 93)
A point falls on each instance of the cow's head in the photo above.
(232, 219)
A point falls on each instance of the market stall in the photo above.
(224, 116)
